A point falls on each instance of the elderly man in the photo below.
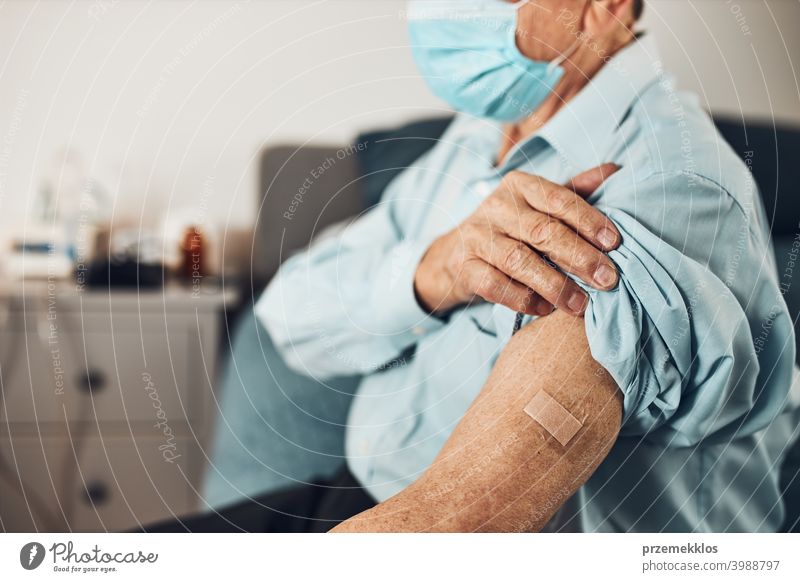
(648, 387)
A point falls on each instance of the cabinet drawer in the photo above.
(124, 483)
(32, 486)
(116, 485)
(129, 376)
(123, 377)
(32, 378)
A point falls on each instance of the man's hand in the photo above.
(497, 254)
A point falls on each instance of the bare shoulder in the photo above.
(502, 469)
(553, 354)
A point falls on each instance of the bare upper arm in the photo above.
(501, 470)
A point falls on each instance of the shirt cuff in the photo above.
(399, 314)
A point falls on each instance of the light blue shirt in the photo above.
(697, 335)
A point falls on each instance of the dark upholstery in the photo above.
(303, 189)
(321, 185)
(389, 152)
(774, 156)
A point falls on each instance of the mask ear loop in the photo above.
(559, 60)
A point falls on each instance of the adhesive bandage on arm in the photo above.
(553, 417)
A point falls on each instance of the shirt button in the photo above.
(364, 447)
(483, 189)
(418, 330)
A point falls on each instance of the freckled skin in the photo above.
(500, 470)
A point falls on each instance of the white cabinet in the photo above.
(107, 404)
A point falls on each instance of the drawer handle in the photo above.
(92, 381)
(96, 493)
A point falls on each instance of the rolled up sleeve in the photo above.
(680, 341)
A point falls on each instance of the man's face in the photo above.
(546, 28)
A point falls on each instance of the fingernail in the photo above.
(607, 237)
(544, 309)
(605, 276)
(577, 301)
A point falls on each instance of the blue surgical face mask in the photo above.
(467, 52)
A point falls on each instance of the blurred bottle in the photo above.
(193, 248)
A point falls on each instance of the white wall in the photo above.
(168, 103)
(741, 56)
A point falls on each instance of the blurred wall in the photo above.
(168, 103)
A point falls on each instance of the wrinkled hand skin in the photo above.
(501, 471)
(498, 253)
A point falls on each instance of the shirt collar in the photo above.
(583, 130)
